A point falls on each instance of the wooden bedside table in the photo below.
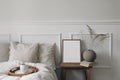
(71, 66)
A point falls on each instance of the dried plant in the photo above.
(96, 36)
(101, 36)
(91, 31)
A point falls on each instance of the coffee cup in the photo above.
(24, 68)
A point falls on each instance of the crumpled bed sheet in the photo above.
(44, 73)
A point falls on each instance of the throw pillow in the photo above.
(23, 52)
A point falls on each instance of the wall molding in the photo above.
(5, 37)
(109, 54)
(48, 36)
(65, 22)
(79, 22)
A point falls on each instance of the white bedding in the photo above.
(44, 73)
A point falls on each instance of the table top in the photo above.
(73, 65)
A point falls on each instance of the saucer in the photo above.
(21, 72)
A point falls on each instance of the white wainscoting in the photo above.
(45, 38)
(103, 48)
(64, 27)
(5, 37)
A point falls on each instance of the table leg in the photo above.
(87, 73)
(63, 74)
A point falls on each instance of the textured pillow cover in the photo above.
(23, 52)
(4, 51)
(47, 54)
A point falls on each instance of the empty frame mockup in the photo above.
(71, 51)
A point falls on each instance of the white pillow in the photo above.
(47, 54)
(4, 51)
(23, 52)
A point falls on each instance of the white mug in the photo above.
(24, 68)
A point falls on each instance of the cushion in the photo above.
(4, 51)
(47, 54)
(23, 52)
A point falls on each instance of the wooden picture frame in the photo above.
(71, 51)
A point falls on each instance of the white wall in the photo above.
(97, 73)
(19, 10)
(64, 16)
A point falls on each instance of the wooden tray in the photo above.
(12, 71)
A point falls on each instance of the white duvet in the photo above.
(44, 73)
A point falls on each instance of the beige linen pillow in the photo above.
(4, 51)
(23, 52)
(47, 54)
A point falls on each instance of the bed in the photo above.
(44, 73)
(31, 51)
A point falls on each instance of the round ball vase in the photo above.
(89, 55)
